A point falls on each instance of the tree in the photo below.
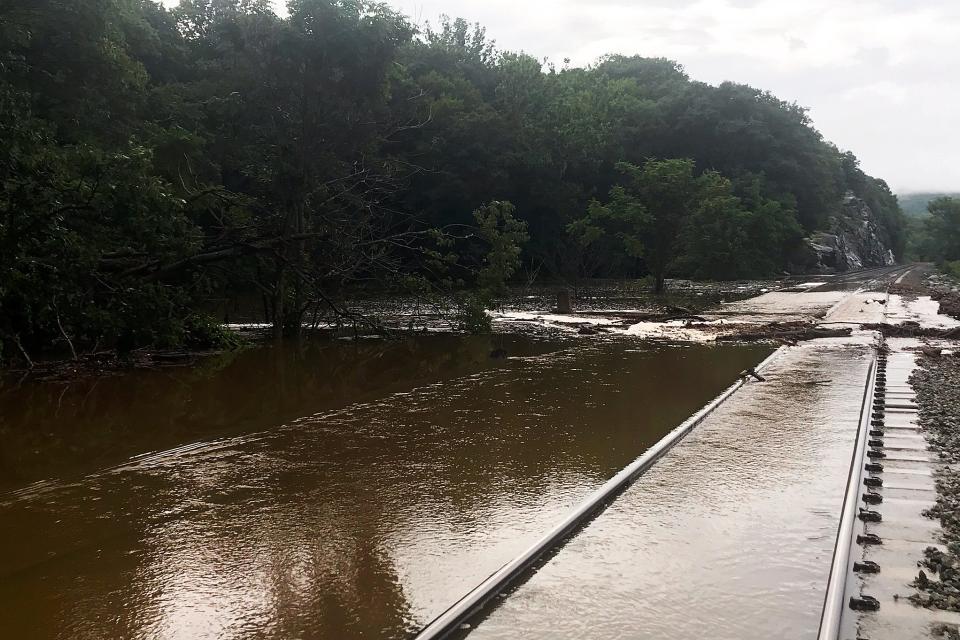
(502, 238)
(679, 222)
(646, 213)
(156, 158)
(943, 228)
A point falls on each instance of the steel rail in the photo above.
(833, 599)
(474, 601)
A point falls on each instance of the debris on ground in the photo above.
(910, 329)
(949, 302)
(787, 332)
(937, 385)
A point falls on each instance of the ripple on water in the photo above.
(365, 521)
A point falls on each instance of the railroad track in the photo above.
(882, 531)
(859, 498)
(861, 504)
(866, 278)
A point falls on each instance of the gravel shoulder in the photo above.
(937, 385)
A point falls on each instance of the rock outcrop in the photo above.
(854, 241)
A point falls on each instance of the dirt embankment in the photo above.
(785, 332)
(949, 303)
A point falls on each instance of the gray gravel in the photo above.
(937, 385)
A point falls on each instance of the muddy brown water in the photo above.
(321, 491)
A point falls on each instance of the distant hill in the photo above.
(915, 204)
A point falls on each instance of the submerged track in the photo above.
(512, 573)
(859, 501)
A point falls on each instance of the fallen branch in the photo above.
(778, 333)
(23, 352)
(56, 313)
(913, 330)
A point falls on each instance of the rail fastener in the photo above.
(867, 515)
(870, 497)
(864, 603)
(868, 539)
(866, 566)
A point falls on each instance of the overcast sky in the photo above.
(880, 77)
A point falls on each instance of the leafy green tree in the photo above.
(679, 222)
(502, 238)
(646, 213)
(943, 227)
(740, 233)
(154, 158)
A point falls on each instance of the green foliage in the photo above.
(914, 205)
(503, 237)
(936, 236)
(943, 227)
(952, 269)
(202, 332)
(679, 222)
(157, 157)
(471, 315)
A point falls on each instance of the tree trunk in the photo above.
(279, 310)
(295, 319)
(660, 283)
(289, 291)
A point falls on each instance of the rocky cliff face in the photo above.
(854, 241)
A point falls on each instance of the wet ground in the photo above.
(795, 300)
(284, 516)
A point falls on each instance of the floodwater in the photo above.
(324, 491)
(729, 537)
(61, 430)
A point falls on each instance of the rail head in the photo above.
(833, 601)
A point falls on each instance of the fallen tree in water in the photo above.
(911, 329)
(788, 332)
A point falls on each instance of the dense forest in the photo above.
(154, 158)
(934, 235)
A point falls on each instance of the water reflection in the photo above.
(364, 521)
(729, 537)
(61, 429)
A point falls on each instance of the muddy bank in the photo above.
(937, 386)
(107, 363)
(912, 330)
(784, 332)
(938, 287)
(949, 303)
